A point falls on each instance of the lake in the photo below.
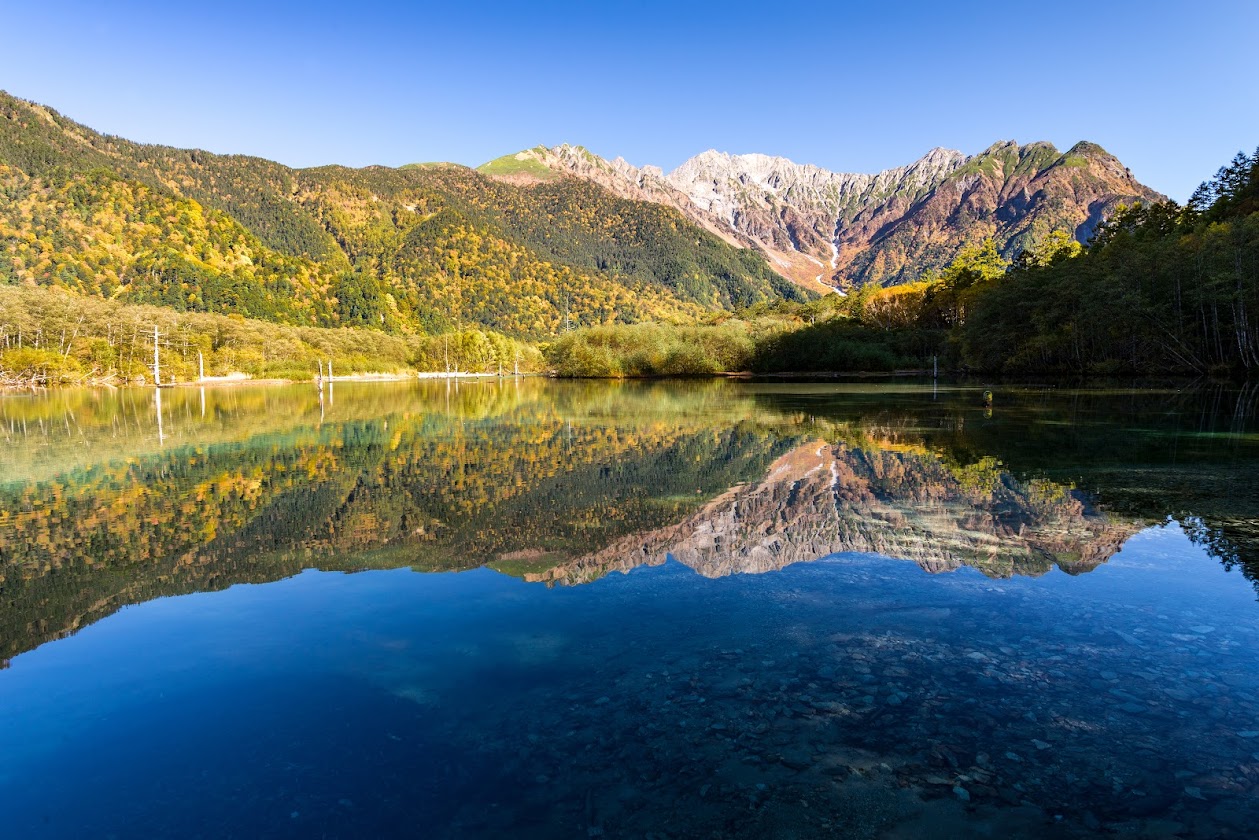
(524, 608)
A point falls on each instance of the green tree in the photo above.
(973, 269)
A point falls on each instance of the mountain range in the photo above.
(829, 230)
(532, 244)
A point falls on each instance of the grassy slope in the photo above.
(511, 165)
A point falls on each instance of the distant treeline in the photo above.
(1160, 289)
(53, 337)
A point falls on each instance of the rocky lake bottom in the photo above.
(856, 696)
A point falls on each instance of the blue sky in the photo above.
(1169, 87)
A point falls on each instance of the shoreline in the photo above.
(827, 374)
(740, 376)
(233, 381)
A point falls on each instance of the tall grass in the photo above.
(763, 345)
(653, 350)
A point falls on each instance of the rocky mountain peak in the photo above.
(1086, 148)
(999, 147)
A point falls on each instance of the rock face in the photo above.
(1016, 195)
(822, 499)
(827, 229)
(795, 210)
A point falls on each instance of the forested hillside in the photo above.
(418, 249)
(1159, 289)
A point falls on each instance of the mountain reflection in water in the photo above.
(565, 482)
(822, 499)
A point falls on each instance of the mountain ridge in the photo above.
(825, 229)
